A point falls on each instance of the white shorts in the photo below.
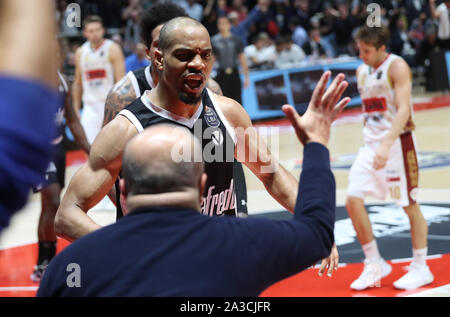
(398, 180)
(92, 120)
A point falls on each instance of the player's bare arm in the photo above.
(93, 180)
(74, 124)
(77, 86)
(400, 76)
(254, 153)
(118, 61)
(120, 96)
(33, 55)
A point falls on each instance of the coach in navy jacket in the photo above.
(170, 249)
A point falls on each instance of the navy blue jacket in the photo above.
(176, 252)
(27, 114)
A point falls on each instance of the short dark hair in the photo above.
(157, 14)
(376, 36)
(92, 19)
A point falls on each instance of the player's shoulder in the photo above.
(232, 110)
(399, 68)
(123, 88)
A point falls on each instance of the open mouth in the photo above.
(194, 81)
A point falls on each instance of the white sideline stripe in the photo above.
(440, 291)
(18, 288)
(430, 257)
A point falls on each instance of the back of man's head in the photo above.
(162, 159)
(158, 14)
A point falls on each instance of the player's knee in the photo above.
(351, 203)
(354, 205)
(412, 210)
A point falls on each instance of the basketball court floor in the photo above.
(18, 249)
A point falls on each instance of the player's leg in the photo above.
(241, 189)
(50, 197)
(418, 274)
(362, 183)
(360, 219)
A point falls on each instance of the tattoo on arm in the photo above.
(214, 87)
(118, 98)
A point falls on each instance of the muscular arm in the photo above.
(118, 62)
(120, 96)
(93, 180)
(77, 87)
(243, 62)
(27, 40)
(254, 153)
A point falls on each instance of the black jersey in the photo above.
(210, 126)
(142, 80)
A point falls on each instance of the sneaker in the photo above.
(374, 271)
(417, 276)
(38, 272)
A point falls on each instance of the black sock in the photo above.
(47, 250)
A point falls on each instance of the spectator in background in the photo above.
(210, 14)
(343, 26)
(229, 54)
(313, 48)
(261, 54)
(326, 23)
(299, 34)
(239, 7)
(442, 13)
(138, 59)
(192, 8)
(300, 9)
(400, 43)
(429, 45)
(288, 54)
(415, 9)
(132, 15)
(240, 29)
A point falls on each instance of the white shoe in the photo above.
(417, 276)
(374, 271)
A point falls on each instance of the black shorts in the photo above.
(56, 171)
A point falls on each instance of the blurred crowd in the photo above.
(279, 33)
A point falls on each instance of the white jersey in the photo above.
(378, 103)
(97, 72)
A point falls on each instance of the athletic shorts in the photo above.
(56, 171)
(397, 181)
(92, 120)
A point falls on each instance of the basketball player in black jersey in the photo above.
(54, 182)
(134, 84)
(184, 61)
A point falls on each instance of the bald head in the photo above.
(174, 27)
(164, 158)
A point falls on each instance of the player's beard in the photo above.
(190, 99)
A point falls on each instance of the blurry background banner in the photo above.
(269, 90)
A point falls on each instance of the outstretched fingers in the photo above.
(316, 99)
(339, 107)
(334, 91)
